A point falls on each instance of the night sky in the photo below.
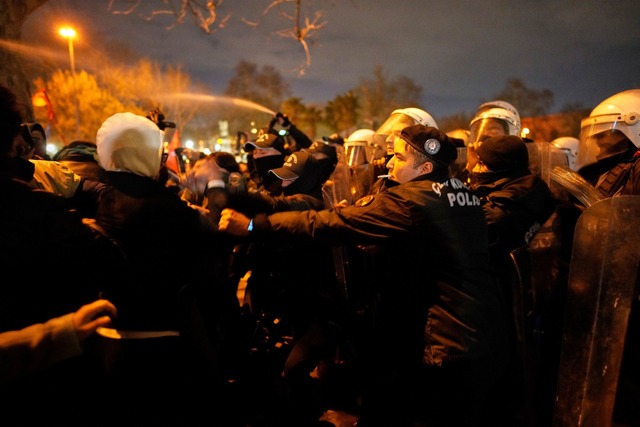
(460, 52)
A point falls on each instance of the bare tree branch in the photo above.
(206, 16)
(299, 33)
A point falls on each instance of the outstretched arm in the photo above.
(43, 344)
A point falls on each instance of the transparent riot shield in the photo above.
(603, 275)
(459, 164)
(543, 158)
(575, 184)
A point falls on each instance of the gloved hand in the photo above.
(283, 119)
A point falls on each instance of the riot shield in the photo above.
(602, 278)
(543, 158)
(460, 163)
(576, 185)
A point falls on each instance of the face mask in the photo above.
(264, 164)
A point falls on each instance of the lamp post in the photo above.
(69, 33)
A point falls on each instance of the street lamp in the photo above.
(69, 33)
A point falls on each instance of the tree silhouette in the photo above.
(529, 102)
(381, 94)
(341, 113)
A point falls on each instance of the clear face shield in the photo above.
(358, 153)
(389, 130)
(483, 128)
(597, 134)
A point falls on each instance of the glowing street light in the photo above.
(69, 33)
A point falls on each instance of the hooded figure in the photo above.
(130, 143)
(146, 218)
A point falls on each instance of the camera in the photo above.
(157, 117)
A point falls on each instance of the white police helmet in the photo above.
(619, 112)
(569, 145)
(359, 147)
(418, 115)
(360, 136)
(616, 117)
(398, 120)
(501, 111)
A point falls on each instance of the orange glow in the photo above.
(39, 99)
(67, 32)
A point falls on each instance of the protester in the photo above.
(82, 158)
(46, 175)
(267, 152)
(195, 188)
(327, 156)
(441, 339)
(33, 219)
(39, 137)
(38, 346)
(178, 306)
(34, 222)
(516, 203)
(295, 139)
(290, 315)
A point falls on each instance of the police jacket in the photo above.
(440, 301)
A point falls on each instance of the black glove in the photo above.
(285, 119)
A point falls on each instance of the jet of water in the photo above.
(218, 98)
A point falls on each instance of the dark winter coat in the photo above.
(167, 245)
(515, 207)
(440, 301)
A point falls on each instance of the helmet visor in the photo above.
(357, 153)
(597, 134)
(390, 129)
(484, 128)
